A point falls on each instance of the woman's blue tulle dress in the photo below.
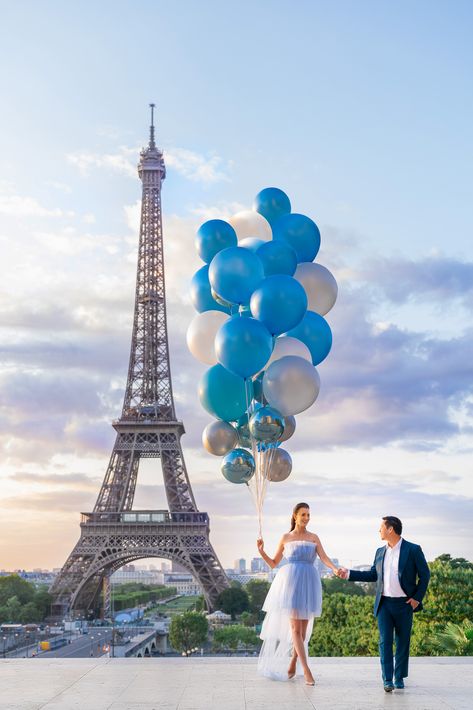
(296, 593)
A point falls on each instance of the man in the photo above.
(401, 574)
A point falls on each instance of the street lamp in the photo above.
(27, 642)
(91, 646)
(4, 644)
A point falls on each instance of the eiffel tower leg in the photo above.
(107, 598)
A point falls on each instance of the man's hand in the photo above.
(260, 545)
(413, 602)
(342, 573)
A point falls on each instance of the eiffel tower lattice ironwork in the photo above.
(114, 534)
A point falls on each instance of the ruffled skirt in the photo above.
(296, 593)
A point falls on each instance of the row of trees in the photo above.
(347, 626)
(133, 594)
(21, 602)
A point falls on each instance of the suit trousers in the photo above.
(394, 623)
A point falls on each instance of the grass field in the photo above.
(175, 606)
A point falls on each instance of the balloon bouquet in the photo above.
(260, 300)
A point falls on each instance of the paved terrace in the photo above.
(227, 684)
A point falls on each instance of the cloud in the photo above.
(197, 167)
(22, 206)
(401, 280)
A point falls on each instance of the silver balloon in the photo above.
(219, 438)
(266, 425)
(291, 385)
(244, 436)
(238, 466)
(281, 466)
(289, 428)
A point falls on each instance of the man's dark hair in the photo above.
(393, 523)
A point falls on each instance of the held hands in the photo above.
(260, 545)
(413, 602)
(342, 573)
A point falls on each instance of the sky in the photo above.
(362, 113)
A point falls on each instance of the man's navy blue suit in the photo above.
(393, 613)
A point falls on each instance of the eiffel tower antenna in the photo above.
(114, 534)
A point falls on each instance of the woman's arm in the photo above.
(323, 555)
(272, 562)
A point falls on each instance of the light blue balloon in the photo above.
(234, 274)
(278, 258)
(315, 332)
(279, 302)
(272, 203)
(301, 233)
(243, 346)
(201, 295)
(238, 466)
(212, 237)
(223, 394)
(266, 425)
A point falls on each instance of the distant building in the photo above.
(240, 566)
(218, 618)
(246, 577)
(259, 565)
(128, 574)
(185, 584)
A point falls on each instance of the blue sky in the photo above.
(362, 113)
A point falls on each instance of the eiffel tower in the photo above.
(114, 534)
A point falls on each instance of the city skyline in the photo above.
(370, 141)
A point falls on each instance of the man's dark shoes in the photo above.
(399, 684)
(388, 686)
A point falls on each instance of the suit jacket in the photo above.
(413, 570)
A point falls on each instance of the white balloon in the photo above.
(251, 224)
(320, 286)
(201, 335)
(286, 345)
(291, 385)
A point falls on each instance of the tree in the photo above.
(332, 585)
(188, 631)
(234, 637)
(454, 561)
(248, 619)
(14, 586)
(347, 627)
(233, 601)
(11, 610)
(449, 599)
(200, 603)
(454, 639)
(257, 590)
(29, 613)
(42, 601)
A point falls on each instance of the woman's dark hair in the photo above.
(394, 523)
(294, 513)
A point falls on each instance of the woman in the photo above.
(294, 599)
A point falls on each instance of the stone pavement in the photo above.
(227, 684)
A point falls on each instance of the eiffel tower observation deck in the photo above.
(114, 534)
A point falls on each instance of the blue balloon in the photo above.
(301, 233)
(279, 302)
(315, 332)
(272, 203)
(223, 394)
(238, 466)
(278, 258)
(234, 274)
(243, 346)
(212, 237)
(201, 295)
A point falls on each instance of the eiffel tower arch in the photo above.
(114, 534)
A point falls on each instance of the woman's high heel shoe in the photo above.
(309, 682)
(291, 675)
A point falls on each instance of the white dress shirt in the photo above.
(391, 586)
